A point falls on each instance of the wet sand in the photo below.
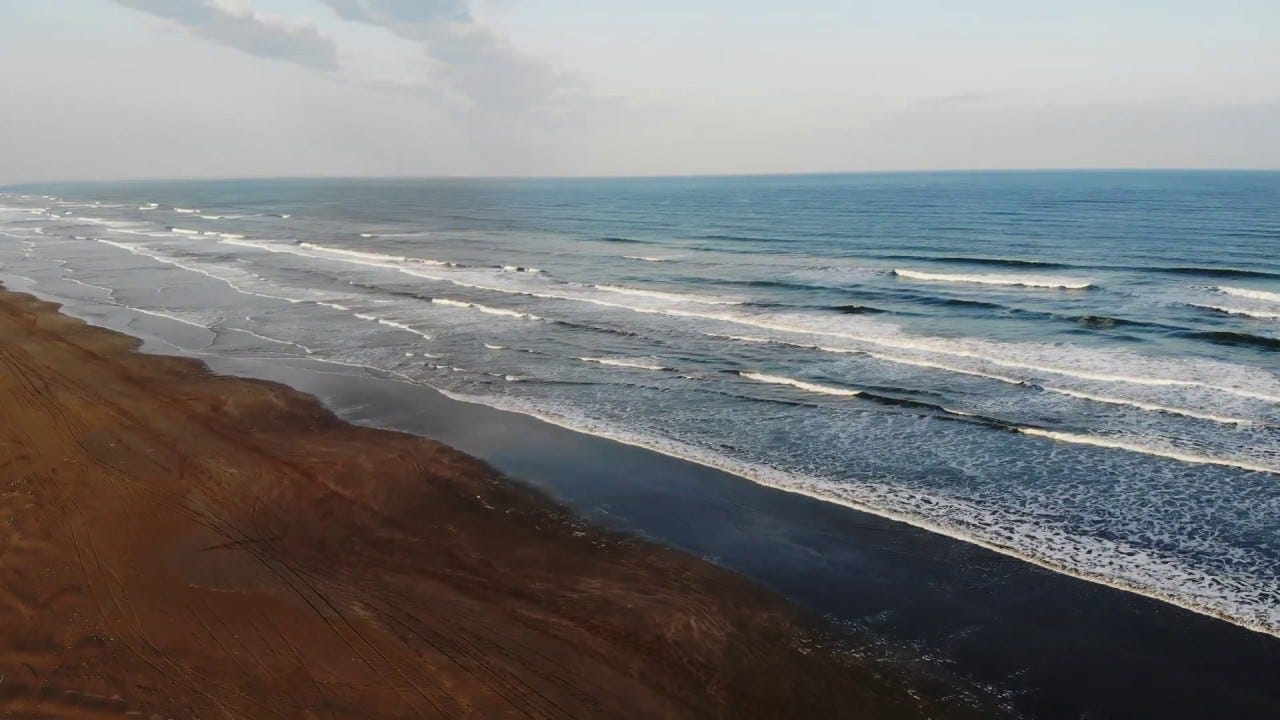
(178, 543)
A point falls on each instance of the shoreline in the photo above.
(796, 488)
(1059, 645)
(186, 542)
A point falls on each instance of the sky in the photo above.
(122, 89)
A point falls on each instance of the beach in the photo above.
(1033, 478)
(190, 545)
(474, 359)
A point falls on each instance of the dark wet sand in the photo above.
(191, 545)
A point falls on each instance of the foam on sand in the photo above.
(1038, 281)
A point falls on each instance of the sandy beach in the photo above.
(188, 545)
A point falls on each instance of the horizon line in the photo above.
(650, 176)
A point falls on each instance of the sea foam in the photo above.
(1149, 449)
(1035, 281)
(673, 297)
(369, 256)
(1263, 295)
(485, 308)
(626, 363)
(1248, 312)
(867, 334)
(807, 386)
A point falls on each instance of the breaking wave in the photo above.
(1010, 280)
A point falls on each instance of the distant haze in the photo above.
(102, 89)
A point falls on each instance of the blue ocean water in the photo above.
(1078, 369)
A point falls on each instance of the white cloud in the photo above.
(234, 23)
(470, 56)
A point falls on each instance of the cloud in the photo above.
(234, 23)
(468, 55)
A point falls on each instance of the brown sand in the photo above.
(188, 545)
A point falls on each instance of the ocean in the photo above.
(1077, 369)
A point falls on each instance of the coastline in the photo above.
(1053, 646)
(190, 543)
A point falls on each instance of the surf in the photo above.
(1262, 295)
(1032, 281)
(1247, 312)
(634, 364)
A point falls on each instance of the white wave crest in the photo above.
(240, 242)
(1153, 407)
(740, 338)
(381, 258)
(1170, 453)
(673, 297)
(1251, 294)
(166, 316)
(139, 250)
(1040, 281)
(876, 339)
(485, 308)
(1249, 312)
(807, 386)
(392, 324)
(626, 363)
